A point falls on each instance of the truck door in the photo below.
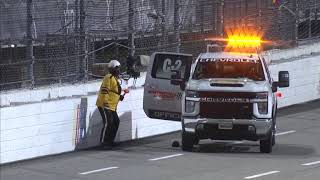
(161, 99)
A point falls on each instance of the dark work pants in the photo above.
(111, 123)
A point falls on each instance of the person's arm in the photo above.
(113, 86)
(116, 88)
(104, 86)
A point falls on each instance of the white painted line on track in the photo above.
(262, 174)
(165, 157)
(98, 170)
(311, 163)
(287, 132)
(237, 142)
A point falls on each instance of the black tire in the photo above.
(266, 145)
(188, 140)
(274, 127)
(273, 139)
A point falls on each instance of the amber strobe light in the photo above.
(236, 41)
(242, 40)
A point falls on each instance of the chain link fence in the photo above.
(59, 41)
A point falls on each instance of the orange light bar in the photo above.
(236, 41)
(242, 40)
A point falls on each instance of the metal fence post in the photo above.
(131, 28)
(297, 22)
(164, 24)
(116, 49)
(86, 77)
(177, 24)
(310, 23)
(259, 4)
(30, 40)
(77, 39)
(221, 12)
(201, 7)
(32, 73)
(82, 40)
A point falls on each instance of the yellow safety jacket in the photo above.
(109, 93)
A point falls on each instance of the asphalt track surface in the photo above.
(296, 156)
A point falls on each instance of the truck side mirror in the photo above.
(284, 79)
(176, 79)
(274, 87)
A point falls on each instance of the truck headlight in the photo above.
(262, 101)
(263, 107)
(190, 106)
(262, 96)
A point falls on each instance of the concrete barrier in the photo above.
(59, 119)
(304, 80)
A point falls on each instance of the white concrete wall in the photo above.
(305, 50)
(304, 80)
(49, 127)
(48, 122)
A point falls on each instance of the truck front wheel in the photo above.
(266, 144)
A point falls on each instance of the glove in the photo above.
(126, 91)
(121, 97)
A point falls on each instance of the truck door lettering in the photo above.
(168, 66)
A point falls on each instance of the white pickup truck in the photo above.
(218, 96)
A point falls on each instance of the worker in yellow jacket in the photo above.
(107, 102)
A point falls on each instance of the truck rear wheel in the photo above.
(266, 145)
(188, 140)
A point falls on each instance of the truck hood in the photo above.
(228, 85)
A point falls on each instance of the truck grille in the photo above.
(226, 105)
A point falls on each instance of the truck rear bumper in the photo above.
(229, 129)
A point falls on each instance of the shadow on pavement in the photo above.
(278, 150)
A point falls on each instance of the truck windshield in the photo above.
(229, 68)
